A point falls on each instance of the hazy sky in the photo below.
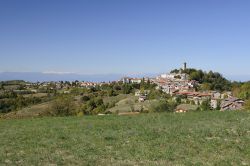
(124, 36)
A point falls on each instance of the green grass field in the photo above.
(203, 138)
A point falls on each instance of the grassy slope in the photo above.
(206, 138)
(116, 98)
(125, 102)
(38, 110)
(29, 112)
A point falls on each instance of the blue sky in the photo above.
(124, 36)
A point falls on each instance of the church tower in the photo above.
(184, 66)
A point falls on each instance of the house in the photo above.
(226, 95)
(197, 97)
(88, 84)
(214, 103)
(142, 98)
(136, 80)
(34, 90)
(216, 95)
(182, 108)
(140, 93)
(126, 80)
(66, 92)
(231, 103)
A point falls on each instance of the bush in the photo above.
(161, 106)
(247, 105)
(98, 101)
(99, 109)
(80, 114)
(93, 106)
(205, 105)
(85, 98)
(155, 94)
(127, 89)
(63, 106)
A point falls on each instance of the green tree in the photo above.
(218, 105)
(63, 106)
(242, 90)
(127, 88)
(161, 106)
(214, 79)
(111, 92)
(98, 101)
(85, 98)
(1, 86)
(178, 99)
(206, 86)
(155, 94)
(205, 105)
(99, 109)
(247, 105)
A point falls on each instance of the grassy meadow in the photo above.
(198, 138)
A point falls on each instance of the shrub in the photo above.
(247, 105)
(85, 98)
(154, 94)
(205, 105)
(80, 114)
(99, 109)
(63, 106)
(93, 106)
(161, 106)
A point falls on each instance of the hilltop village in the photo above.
(179, 85)
(180, 90)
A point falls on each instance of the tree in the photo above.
(117, 87)
(111, 92)
(242, 90)
(218, 105)
(178, 99)
(98, 101)
(63, 106)
(93, 106)
(126, 88)
(205, 105)
(247, 105)
(1, 86)
(99, 109)
(161, 106)
(85, 98)
(205, 86)
(214, 79)
(154, 94)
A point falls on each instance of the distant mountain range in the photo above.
(39, 76)
(243, 78)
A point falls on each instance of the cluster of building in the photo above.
(88, 84)
(232, 103)
(224, 101)
(175, 82)
(178, 84)
(142, 95)
(134, 80)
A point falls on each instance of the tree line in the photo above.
(208, 80)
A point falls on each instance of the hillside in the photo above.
(28, 112)
(209, 80)
(202, 138)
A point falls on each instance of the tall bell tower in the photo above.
(184, 66)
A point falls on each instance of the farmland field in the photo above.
(198, 138)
